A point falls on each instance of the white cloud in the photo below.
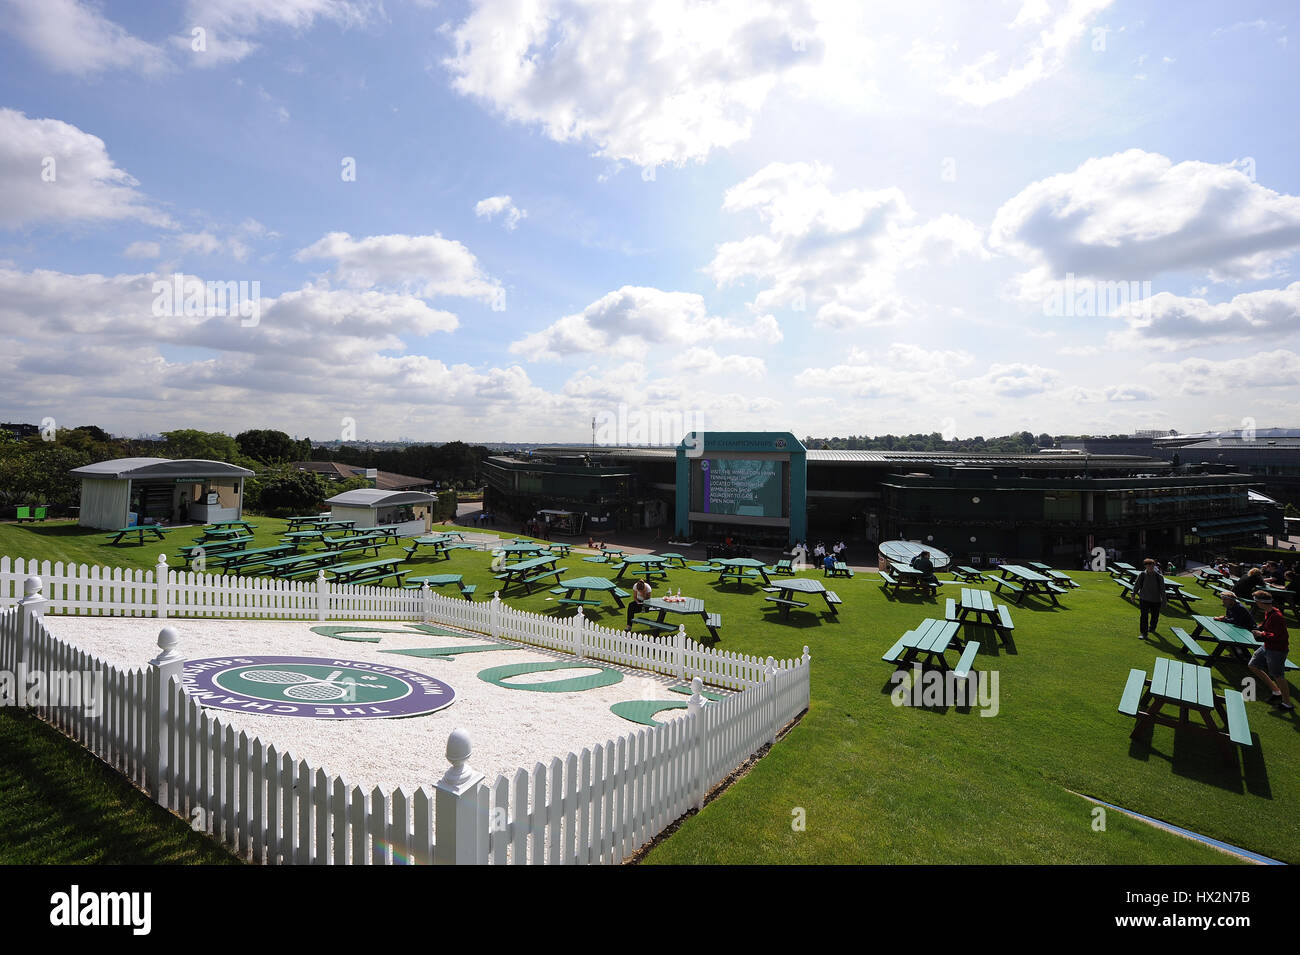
(428, 265)
(1112, 393)
(652, 82)
(1011, 380)
(1135, 215)
(53, 172)
(500, 205)
(74, 37)
(628, 321)
(836, 254)
(706, 361)
(232, 26)
(1203, 376)
(989, 79)
(143, 250)
(1166, 321)
(902, 371)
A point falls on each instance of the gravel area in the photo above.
(509, 729)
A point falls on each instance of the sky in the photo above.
(498, 220)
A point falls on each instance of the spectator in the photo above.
(1248, 583)
(1234, 612)
(923, 563)
(641, 591)
(1271, 657)
(828, 564)
(1149, 589)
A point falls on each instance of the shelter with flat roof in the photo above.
(410, 511)
(128, 491)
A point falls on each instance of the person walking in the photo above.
(1149, 589)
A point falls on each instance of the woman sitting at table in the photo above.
(1248, 583)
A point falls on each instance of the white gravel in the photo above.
(509, 729)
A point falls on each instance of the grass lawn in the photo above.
(884, 784)
(61, 806)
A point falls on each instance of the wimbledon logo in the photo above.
(314, 687)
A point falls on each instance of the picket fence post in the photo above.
(578, 621)
(162, 668)
(771, 700)
(30, 609)
(695, 708)
(459, 814)
(160, 579)
(322, 595)
(679, 651)
(426, 602)
(494, 615)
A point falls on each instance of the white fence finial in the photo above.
(32, 587)
(459, 748)
(168, 641)
(462, 815)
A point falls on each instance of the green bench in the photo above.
(714, 622)
(1004, 619)
(833, 598)
(1132, 698)
(574, 601)
(29, 513)
(964, 666)
(1011, 585)
(950, 609)
(655, 624)
(783, 567)
(785, 604)
(1192, 647)
(1234, 705)
(968, 574)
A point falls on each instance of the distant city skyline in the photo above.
(345, 217)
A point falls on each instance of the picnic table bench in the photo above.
(368, 572)
(580, 586)
(1235, 642)
(214, 548)
(740, 569)
(1208, 577)
(1055, 576)
(931, 640)
(649, 566)
(29, 512)
(688, 606)
(139, 530)
(1022, 581)
(226, 525)
(239, 559)
(388, 531)
(440, 580)
(977, 606)
(908, 577)
(968, 574)
(786, 589)
(674, 560)
(1187, 689)
(839, 569)
(294, 565)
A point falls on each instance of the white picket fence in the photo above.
(83, 590)
(597, 806)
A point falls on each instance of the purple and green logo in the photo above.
(321, 688)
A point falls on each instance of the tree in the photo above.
(268, 447)
(284, 491)
(204, 445)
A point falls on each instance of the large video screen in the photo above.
(739, 486)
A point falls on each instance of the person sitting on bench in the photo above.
(923, 563)
(640, 594)
(1234, 613)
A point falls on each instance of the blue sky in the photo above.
(806, 216)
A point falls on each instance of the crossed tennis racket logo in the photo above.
(300, 686)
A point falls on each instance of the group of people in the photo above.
(821, 556)
(1268, 663)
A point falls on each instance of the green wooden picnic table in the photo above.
(688, 606)
(648, 566)
(137, 529)
(369, 571)
(1237, 642)
(280, 566)
(560, 550)
(1056, 576)
(226, 525)
(674, 560)
(1186, 689)
(786, 588)
(580, 586)
(741, 569)
(238, 559)
(603, 556)
(1021, 581)
(310, 520)
(525, 573)
(1208, 577)
(904, 575)
(968, 574)
(220, 534)
(517, 551)
(440, 580)
(837, 569)
(978, 607)
(930, 641)
(214, 548)
(381, 531)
